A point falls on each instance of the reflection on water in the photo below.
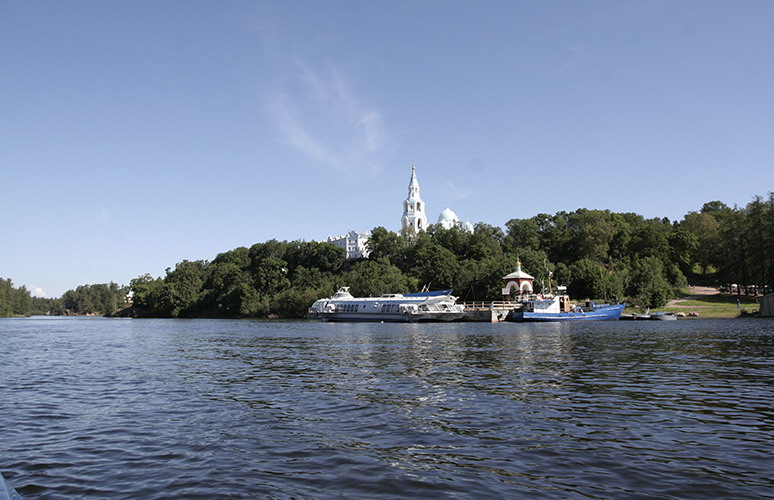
(204, 408)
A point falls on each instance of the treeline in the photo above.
(103, 299)
(735, 245)
(14, 301)
(598, 254)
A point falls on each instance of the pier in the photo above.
(489, 312)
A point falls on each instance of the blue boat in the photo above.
(6, 492)
(560, 308)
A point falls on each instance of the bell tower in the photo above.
(414, 219)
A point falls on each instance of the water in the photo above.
(122, 408)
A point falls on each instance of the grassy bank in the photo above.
(721, 305)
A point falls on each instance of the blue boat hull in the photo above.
(606, 313)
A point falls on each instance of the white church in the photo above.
(413, 221)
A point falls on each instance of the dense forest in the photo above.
(598, 254)
(14, 301)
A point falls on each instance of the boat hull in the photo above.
(607, 313)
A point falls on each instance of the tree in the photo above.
(684, 246)
(523, 233)
(14, 301)
(433, 265)
(649, 284)
(485, 242)
(591, 232)
(481, 279)
(271, 276)
(650, 238)
(705, 229)
(591, 280)
(182, 287)
(323, 256)
(271, 248)
(240, 257)
(226, 287)
(369, 278)
(146, 292)
(386, 245)
(454, 239)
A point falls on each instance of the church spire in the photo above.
(414, 219)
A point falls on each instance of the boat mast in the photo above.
(548, 275)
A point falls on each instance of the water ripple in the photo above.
(98, 408)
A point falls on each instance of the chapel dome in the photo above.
(448, 215)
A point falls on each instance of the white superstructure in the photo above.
(428, 306)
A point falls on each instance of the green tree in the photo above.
(523, 233)
(369, 278)
(251, 303)
(485, 242)
(183, 287)
(591, 233)
(226, 287)
(433, 265)
(481, 279)
(262, 251)
(386, 245)
(146, 292)
(454, 239)
(587, 279)
(684, 246)
(240, 257)
(323, 256)
(271, 276)
(649, 284)
(705, 229)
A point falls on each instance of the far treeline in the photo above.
(598, 254)
(102, 299)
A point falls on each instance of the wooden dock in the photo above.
(489, 312)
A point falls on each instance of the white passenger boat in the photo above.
(412, 307)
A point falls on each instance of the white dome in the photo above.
(448, 215)
(467, 226)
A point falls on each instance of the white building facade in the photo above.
(354, 243)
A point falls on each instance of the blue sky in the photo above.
(136, 134)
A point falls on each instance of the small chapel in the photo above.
(517, 281)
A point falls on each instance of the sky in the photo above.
(137, 134)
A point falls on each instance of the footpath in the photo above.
(697, 293)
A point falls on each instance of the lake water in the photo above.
(132, 408)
